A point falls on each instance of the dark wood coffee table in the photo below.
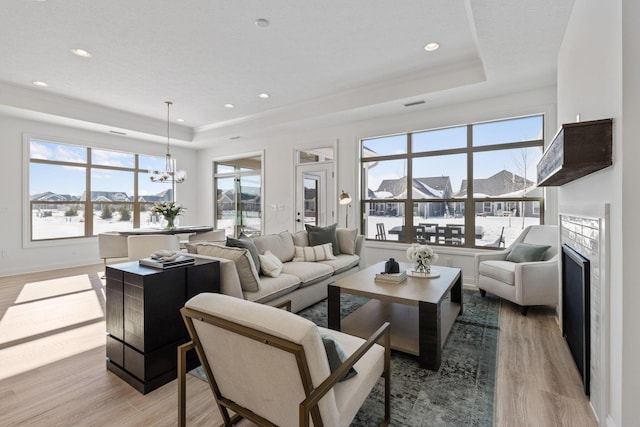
(418, 309)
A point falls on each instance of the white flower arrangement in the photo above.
(169, 210)
(421, 254)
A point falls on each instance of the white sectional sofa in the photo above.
(300, 279)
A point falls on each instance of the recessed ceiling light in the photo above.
(40, 83)
(180, 120)
(81, 52)
(430, 47)
(262, 23)
(229, 105)
(264, 95)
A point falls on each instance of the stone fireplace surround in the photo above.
(585, 228)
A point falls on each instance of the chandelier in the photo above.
(169, 174)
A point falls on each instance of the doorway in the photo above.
(314, 201)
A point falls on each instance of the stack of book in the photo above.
(391, 277)
(159, 263)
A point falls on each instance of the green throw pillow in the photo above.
(526, 252)
(246, 243)
(336, 355)
(322, 235)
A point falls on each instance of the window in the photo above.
(471, 185)
(81, 191)
(238, 195)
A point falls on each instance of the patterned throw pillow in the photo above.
(314, 253)
(270, 265)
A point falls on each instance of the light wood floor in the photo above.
(52, 364)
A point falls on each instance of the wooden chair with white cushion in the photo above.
(143, 245)
(270, 366)
(523, 273)
(112, 245)
(217, 235)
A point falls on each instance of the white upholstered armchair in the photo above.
(513, 275)
(272, 367)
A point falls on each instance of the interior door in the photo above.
(315, 203)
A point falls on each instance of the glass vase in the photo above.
(170, 222)
(423, 267)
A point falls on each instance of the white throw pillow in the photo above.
(314, 253)
(270, 265)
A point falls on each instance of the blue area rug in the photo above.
(461, 393)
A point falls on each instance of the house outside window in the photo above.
(471, 185)
(77, 191)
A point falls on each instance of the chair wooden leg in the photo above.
(104, 270)
(387, 380)
(182, 383)
(483, 293)
(524, 310)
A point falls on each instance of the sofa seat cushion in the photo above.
(281, 245)
(342, 262)
(504, 271)
(308, 272)
(273, 287)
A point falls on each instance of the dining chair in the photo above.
(143, 245)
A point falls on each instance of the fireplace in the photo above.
(576, 304)
(584, 229)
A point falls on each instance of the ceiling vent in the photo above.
(413, 104)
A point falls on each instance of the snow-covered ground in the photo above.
(58, 225)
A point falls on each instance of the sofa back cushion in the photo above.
(281, 245)
(347, 240)
(247, 272)
(301, 238)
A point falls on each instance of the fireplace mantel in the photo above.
(578, 149)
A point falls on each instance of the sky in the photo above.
(485, 164)
(71, 179)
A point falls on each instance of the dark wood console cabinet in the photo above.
(144, 325)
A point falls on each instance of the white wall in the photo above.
(595, 81)
(41, 256)
(279, 153)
